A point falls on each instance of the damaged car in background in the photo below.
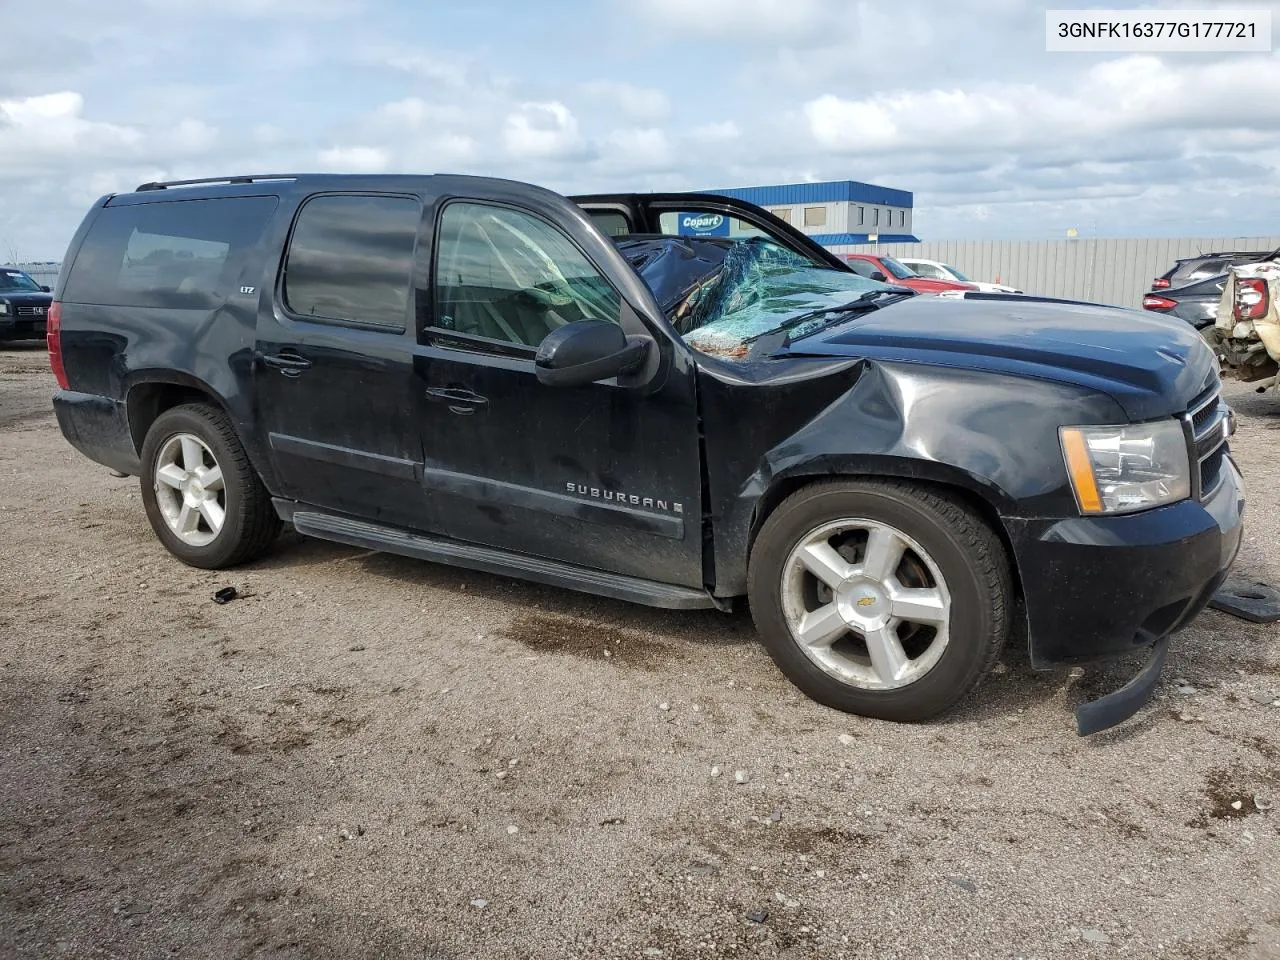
(1247, 328)
(487, 374)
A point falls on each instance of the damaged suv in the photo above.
(484, 373)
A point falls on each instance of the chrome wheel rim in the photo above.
(866, 603)
(190, 490)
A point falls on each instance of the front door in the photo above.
(334, 375)
(604, 476)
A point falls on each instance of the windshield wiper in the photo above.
(866, 301)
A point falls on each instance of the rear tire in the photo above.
(909, 605)
(205, 501)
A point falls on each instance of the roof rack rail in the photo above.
(254, 178)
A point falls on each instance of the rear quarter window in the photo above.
(178, 254)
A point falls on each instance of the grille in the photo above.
(29, 311)
(1206, 423)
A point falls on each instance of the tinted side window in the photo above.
(176, 254)
(611, 223)
(862, 268)
(351, 258)
(506, 275)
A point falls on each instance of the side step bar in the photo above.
(372, 536)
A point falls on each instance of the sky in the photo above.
(955, 101)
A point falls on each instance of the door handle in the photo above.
(290, 364)
(459, 399)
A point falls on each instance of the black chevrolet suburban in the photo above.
(677, 400)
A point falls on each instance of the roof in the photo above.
(826, 191)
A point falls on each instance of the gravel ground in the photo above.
(368, 756)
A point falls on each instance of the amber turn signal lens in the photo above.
(1080, 469)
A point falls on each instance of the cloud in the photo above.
(641, 149)
(688, 95)
(1114, 98)
(642, 104)
(36, 132)
(542, 131)
(718, 132)
(354, 159)
(766, 20)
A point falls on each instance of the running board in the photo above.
(373, 536)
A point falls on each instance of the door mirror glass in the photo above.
(587, 351)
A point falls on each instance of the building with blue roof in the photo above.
(837, 213)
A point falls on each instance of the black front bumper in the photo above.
(1100, 587)
(22, 328)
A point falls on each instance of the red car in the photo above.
(889, 270)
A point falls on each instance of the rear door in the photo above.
(605, 476)
(334, 364)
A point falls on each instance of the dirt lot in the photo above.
(374, 757)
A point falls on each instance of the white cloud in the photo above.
(193, 136)
(770, 20)
(718, 132)
(637, 149)
(414, 112)
(354, 159)
(1114, 98)
(38, 131)
(642, 104)
(438, 70)
(541, 131)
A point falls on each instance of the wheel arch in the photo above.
(151, 393)
(981, 497)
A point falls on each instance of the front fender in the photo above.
(995, 436)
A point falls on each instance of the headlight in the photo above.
(4, 308)
(1123, 469)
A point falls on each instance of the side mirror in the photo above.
(44, 289)
(879, 275)
(587, 351)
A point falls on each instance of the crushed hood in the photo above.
(1153, 366)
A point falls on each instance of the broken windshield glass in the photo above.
(762, 288)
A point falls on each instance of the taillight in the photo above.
(1251, 298)
(1152, 302)
(53, 338)
(1160, 283)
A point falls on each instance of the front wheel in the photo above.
(203, 497)
(880, 597)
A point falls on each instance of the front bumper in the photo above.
(21, 328)
(1100, 587)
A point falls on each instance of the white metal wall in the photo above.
(1105, 271)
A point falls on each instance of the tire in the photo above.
(183, 512)
(952, 580)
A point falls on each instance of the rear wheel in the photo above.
(883, 598)
(203, 498)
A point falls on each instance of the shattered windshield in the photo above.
(761, 288)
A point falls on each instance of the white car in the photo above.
(944, 271)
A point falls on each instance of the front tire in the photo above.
(203, 497)
(880, 597)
